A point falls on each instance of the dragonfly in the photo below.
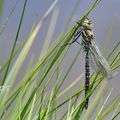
(92, 54)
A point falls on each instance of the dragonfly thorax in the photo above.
(87, 35)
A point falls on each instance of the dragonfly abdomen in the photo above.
(87, 73)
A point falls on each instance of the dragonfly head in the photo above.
(87, 24)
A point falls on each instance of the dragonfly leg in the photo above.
(76, 36)
(79, 43)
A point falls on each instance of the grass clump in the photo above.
(30, 99)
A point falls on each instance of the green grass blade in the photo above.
(93, 105)
(70, 86)
(31, 109)
(18, 63)
(50, 33)
(18, 49)
(115, 60)
(67, 73)
(109, 108)
(15, 42)
(103, 106)
(113, 50)
(116, 116)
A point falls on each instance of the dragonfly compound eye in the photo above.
(87, 24)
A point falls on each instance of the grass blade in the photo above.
(15, 42)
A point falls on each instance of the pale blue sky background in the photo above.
(106, 14)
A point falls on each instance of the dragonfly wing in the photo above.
(98, 61)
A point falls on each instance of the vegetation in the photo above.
(30, 98)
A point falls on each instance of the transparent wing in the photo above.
(98, 61)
